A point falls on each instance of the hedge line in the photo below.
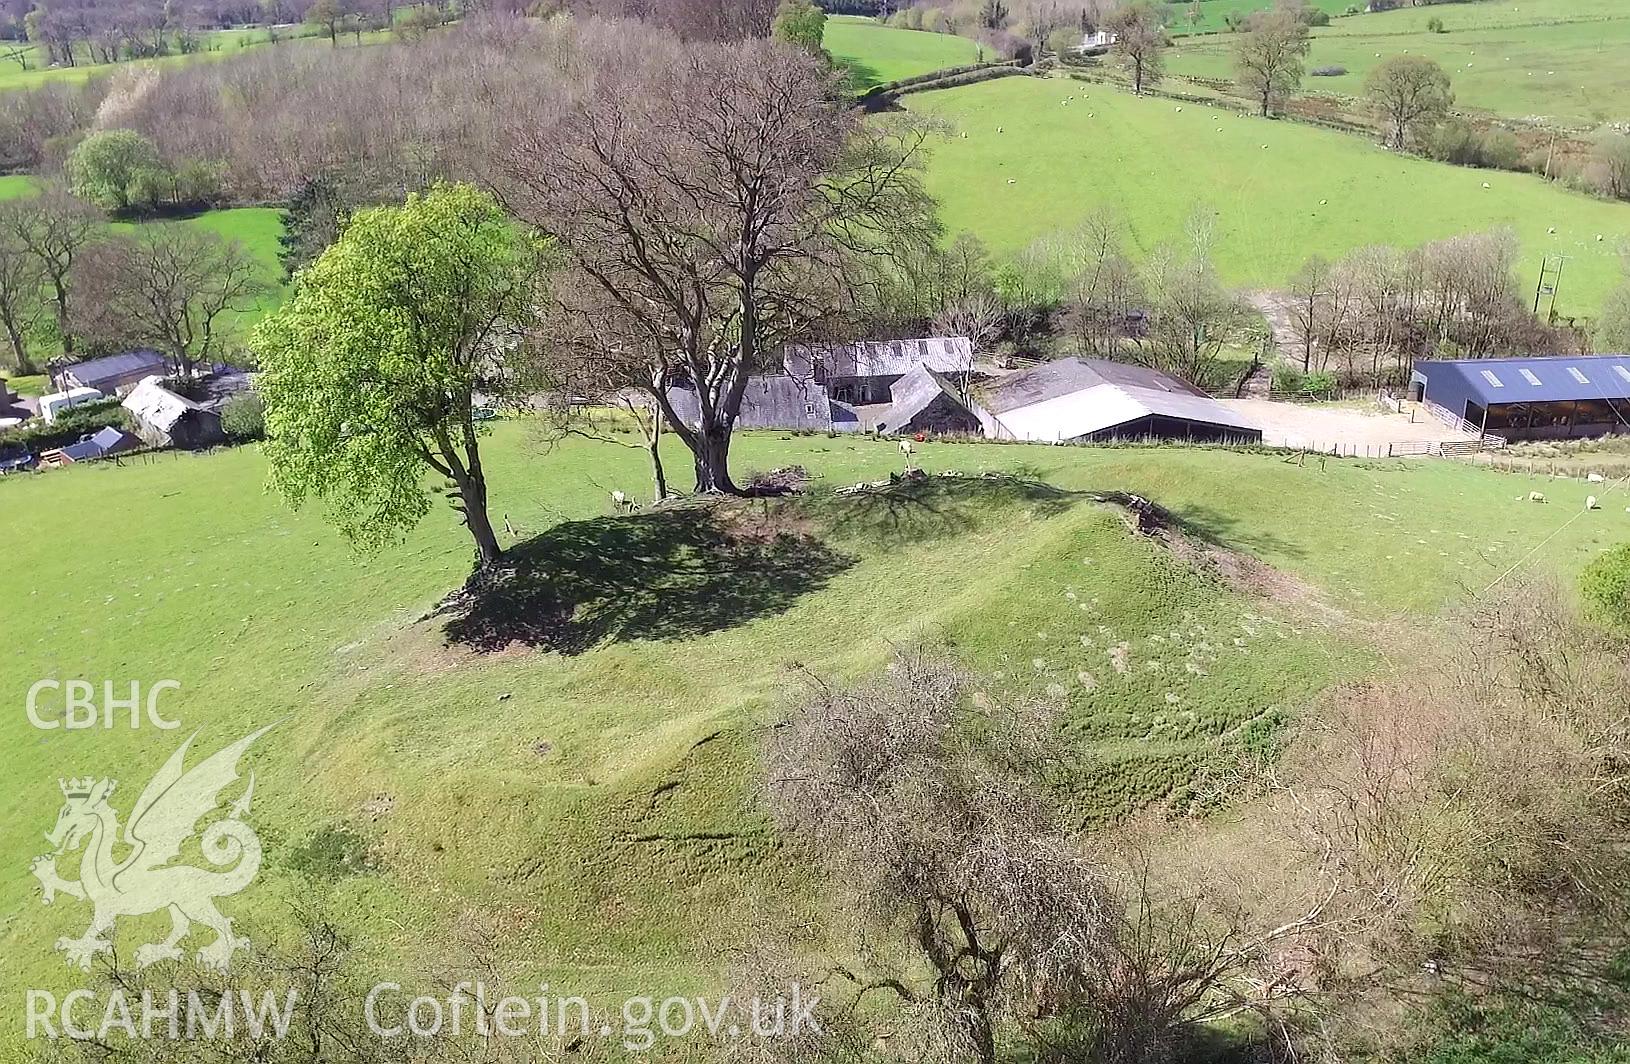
(892, 88)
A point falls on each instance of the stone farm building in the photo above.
(1081, 400)
(165, 419)
(1532, 398)
(862, 373)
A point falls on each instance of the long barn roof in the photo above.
(1536, 379)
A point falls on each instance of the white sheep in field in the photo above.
(908, 450)
(1537, 496)
(622, 503)
(1591, 503)
(1596, 478)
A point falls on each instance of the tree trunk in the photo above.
(66, 334)
(473, 493)
(659, 476)
(712, 452)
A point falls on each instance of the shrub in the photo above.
(116, 169)
(1435, 25)
(1315, 17)
(1321, 384)
(1605, 585)
(1328, 71)
(71, 424)
(244, 417)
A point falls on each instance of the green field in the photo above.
(1558, 60)
(1280, 191)
(874, 54)
(257, 228)
(216, 44)
(599, 803)
(1180, 18)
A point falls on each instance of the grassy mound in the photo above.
(589, 785)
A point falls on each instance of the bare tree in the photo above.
(1192, 315)
(1310, 297)
(1105, 292)
(21, 288)
(167, 285)
(1268, 56)
(925, 813)
(1140, 43)
(54, 227)
(722, 201)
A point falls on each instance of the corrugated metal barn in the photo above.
(1531, 398)
(1091, 400)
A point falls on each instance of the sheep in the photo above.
(1537, 496)
(622, 503)
(1596, 478)
(1591, 503)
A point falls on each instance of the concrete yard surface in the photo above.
(1337, 429)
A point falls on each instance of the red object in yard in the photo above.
(920, 438)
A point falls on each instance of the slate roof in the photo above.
(1535, 379)
(879, 358)
(1067, 375)
(912, 394)
(96, 372)
(775, 402)
(107, 441)
(158, 407)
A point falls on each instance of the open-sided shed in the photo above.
(1530, 398)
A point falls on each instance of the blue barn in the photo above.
(1532, 398)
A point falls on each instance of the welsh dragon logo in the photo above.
(144, 880)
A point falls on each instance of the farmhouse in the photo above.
(111, 375)
(861, 373)
(165, 419)
(1082, 400)
(1533, 398)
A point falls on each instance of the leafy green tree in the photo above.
(1412, 94)
(373, 365)
(115, 169)
(1268, 57)
(800, 23)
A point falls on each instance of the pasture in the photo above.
(1207, 16)
(1547, 60)
(874, 54)
(213, 44)
(593, 791)
(1021, 163)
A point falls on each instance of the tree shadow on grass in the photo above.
(665, 575)
(917, 509)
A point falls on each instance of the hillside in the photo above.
(874, 54)
(1022, 164)
(1554, 60)
(613, 779)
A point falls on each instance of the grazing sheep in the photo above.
(622, 503)
(1537, 496)
(1596, 478)
(1591, 503)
